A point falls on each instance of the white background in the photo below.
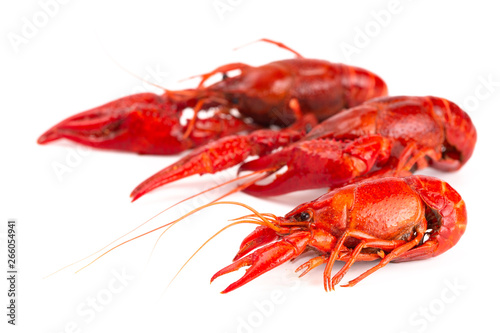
(443, 48)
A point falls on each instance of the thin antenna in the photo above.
(278, 44)
(265, 221)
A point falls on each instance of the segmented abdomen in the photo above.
(446, 213)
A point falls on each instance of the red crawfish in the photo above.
(391, 219)
(388, 136)
(151, 124)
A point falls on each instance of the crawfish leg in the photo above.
(311, 264)
(374, 243)
(398, 251)
(222, 69)
(294, 105)
(420, 252)
(419, 159)
(366, 240)
(191, 123)
(413, 154)
(344, 256)
(204, 78)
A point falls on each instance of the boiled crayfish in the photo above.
(387, 136)
(391, 219)
(369, 213)
(265, 95)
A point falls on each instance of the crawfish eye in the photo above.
(308, 128)
(304, 216)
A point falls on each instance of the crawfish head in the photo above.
(264, 93)
(258, 92)
(285, 238)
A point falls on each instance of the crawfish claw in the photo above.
(137, 123)
(260, 236)
(266, 258)
(333, 162)
(217, 156)
(146, 124)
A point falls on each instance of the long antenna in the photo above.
(278, 44)
(264, 219)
